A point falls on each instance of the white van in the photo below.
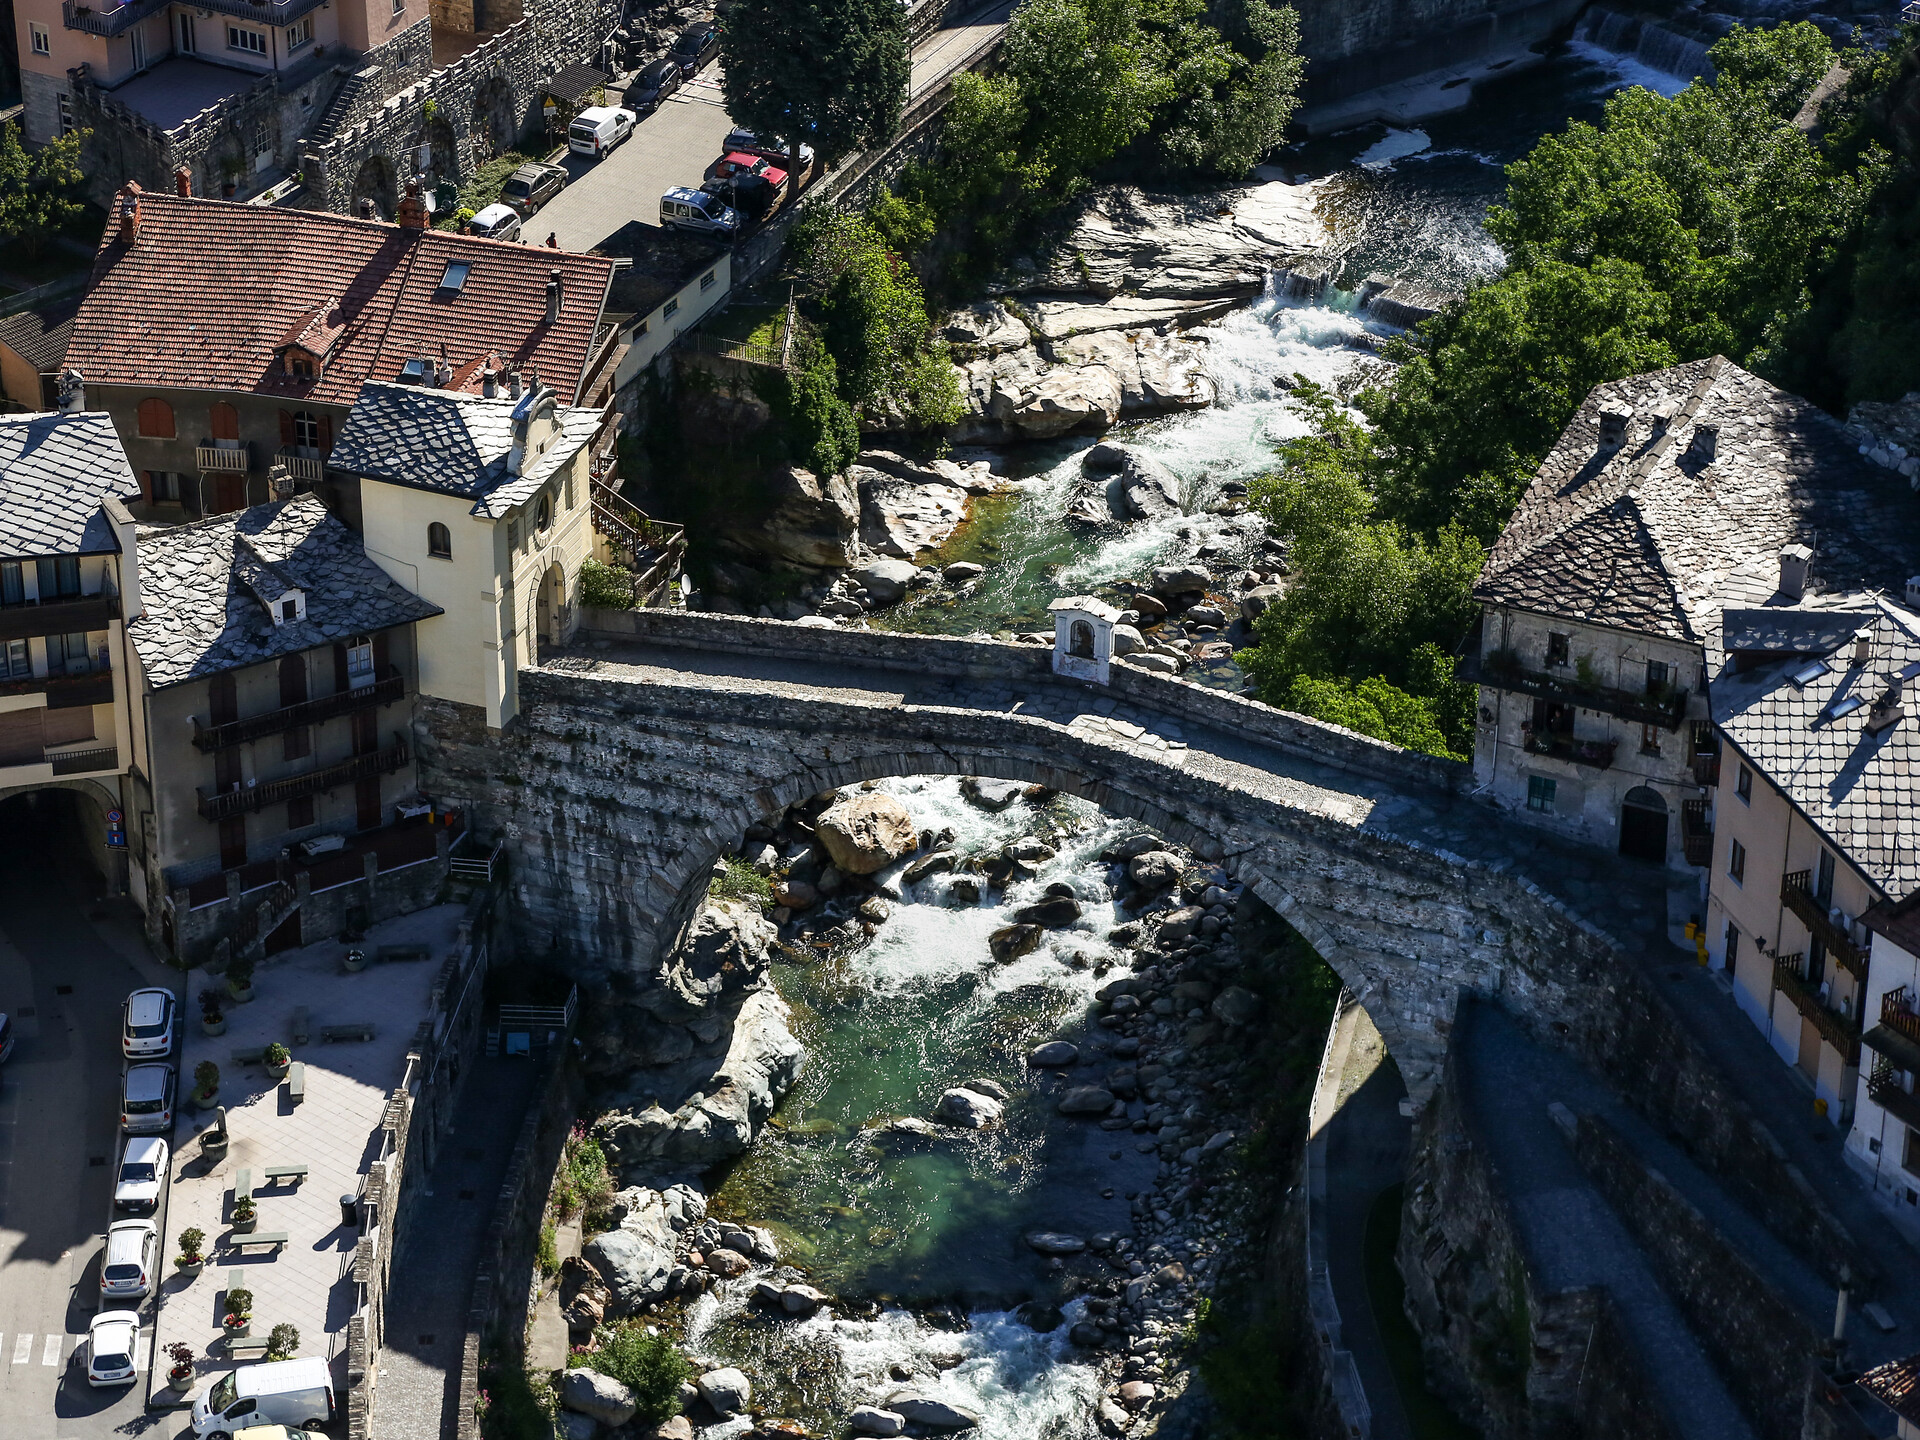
(599, 128)
(293, 1393)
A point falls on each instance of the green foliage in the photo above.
(39, 190)
(283, 1342)
(741, 882)
(515, 1404)
(822, 432)
(830, 72)
(605, 587)
(239, 1302)
(191, 1241)
(549, 1254)
(484, 188)
(206, 1077)
(648, 1364)
(584, 1183)
(1372, 707)
(876, 326)
(276, 1054)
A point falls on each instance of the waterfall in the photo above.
(1644, 38)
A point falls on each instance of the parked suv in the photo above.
(694, 47)
(532, 186)
(652, 85)
(126, 1272)
(599, 128)
(146, 1100)
(684, 209)
(773, 147)
(146, 1024)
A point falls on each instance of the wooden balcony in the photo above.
(1502, 670)
(1838, 1030)
(1597, 753)
(388, 688)
(304, 463)
(1897, 1014)
(59, 617)
(215, 459)
(1886, 1089)
(245, 799)
(1696, 835)
(64, 692)
(1796, 893)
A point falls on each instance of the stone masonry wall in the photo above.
(1357, 45)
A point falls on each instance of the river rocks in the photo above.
(931, 1414)
(727, 1264)
(678, 1428)
(1085, 1100)
(1010, 942)
(727, 1391)
(902, 517)
(886, 580)
(968, 1109)
(1177, 925)
(1170, 581)
(1235, 1006)
(1135, 1394)
(1039, 1317)
(1065, 400)
(1120, 485)
(794, 894)
(992, 796)
(1255, 602)
(1154, 870)
(811, 521)
(634, 1266)
(1055, 1054)
(600, 1396)
(986, 329)
(1157, 663)
(1054, 1242)
(1206, 615)
(865, 832)
(871, 1420)
(1055, 912)
(802, 1299)
(1127, 640)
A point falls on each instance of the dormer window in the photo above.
(417, 372)
(300, 365)
(289, 609)
(455, 277)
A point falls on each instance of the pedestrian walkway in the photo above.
(431, 1286)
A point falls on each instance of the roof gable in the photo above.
(55, 472)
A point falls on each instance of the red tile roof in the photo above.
(208, 288)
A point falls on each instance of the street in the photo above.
(63, 977)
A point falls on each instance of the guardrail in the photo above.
(477, 867)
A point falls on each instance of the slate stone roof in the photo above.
(55, 470)
(39, 336)
(453, 443)
(1655, 538)
(208, 289)
(203, 616)
(1812, 739)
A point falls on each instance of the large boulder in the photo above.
(1255, 602)
(1054, 912)
(866, 831)
(1154, 870)
(1236, 1006)
(872, 1420)
(988, 328)
(1010, 942)
(1054, 1242)
(886, 580)
(1064, 400)
(1086, 1100)
(601, 1396)
(809, 520)
(634, 1265)
(1053, 1054)
(1171, 580)
(991, 795)
(975, 477)
(903, 517)
(968, 1109)
(929, 1413)
(727, 1391)
(724, 951)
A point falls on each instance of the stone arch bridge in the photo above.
(641, 755)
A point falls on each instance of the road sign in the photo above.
(116, 830)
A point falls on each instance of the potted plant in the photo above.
(239, 1313)
(206, 1084)
(190, 1262)
(180, 1373)
(246, 1215)
(283, 1342)
(354, 961)
(240, 979)
(278, 1058)
(213, 1019)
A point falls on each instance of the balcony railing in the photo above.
(82, 762)
(303, 463)
(247, 799)
(107, 19)
(388, 688)
(1886, 1089)
(1796, 893)
(235, 459)
(65, 616)
(1597, 753)
(1840, 1031)
(65, 691)
(1706, 770)
(1696, 835)
(1897, 1013)
(1502, 670)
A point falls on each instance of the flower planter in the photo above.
(238, 1326)
(206, 1101)
(180, 1384)
(190, 1269)
(241, 993)
(213, 1027)
(248, 1225)
(354, 961)
(279, 1072)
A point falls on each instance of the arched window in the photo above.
(1080, 640)
(156, 419)
(223, 421)
(543, 515)
(439, 541)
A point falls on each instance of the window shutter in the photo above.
(146, 486)
(286, 427)
(380, 652)
(326, 434)
(223, 421)
(340, 682)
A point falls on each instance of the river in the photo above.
(889, 1024)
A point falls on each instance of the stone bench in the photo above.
(297, 1081)
(295, 1173)
(363, 1030)
(242, 1184)
(254, 1055)
(302, 1025)
(275, 1238)
(243, 1347)
(414, 951)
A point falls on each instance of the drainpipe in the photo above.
(1840, 1309)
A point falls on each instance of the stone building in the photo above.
(483, 504)
(1669, 497)
(229, 342)
(275, 673)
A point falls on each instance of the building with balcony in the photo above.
(275, 671)
(229, 342)
(1884, 1141)
(486, 498)
(68, 581)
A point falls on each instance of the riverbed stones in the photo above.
(1179, 925)
(992, 796)
(929, 1413)
(601, 1396)
(801, 1300)
(1085, 1100)
(794, 894)
(1127, 640)
(1154, 870)
(1256, 602)
(968, 1109)
(726, 1263)
(872, 1420)
(728, 1391)
(962, 572)
(634, 1266)
(1054, 1242)
(1055, 1054)
(1136, 1394)
(866, 832)
(1157, 663)
(1055, 912)
(1170, 581)
(1236, 1006)
(678, 1428)
(1010, 942)
(885, 579)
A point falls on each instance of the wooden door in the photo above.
(1809, 1060)
(233, 842)
(366, 802)
(366, 731)
(229, 493)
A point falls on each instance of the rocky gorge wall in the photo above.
(1353, 46)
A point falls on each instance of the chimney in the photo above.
(443, 373)
(368, 210)
(489, 383)
(1862, 646)
(412, 213)
(128, 210)
(513, 384)
(1794, 561)
(1887, 711)
(73, 391)
(556, 292)
(1705, 439)
(1613, 429)
(125, 533)
(183, 183)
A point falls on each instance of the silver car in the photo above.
(146, 1024)
(127, 1271)
(146, 1100)
(143, 1169)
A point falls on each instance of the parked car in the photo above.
(126, 1273)
(496, 222)
(6, 1038)
(737, 163)
(751, 197)
(146, 1024)
(684, 209)
(532, 186)
(652, 85)
(598, 128)
(113, 1337)
(143, 1168)
(773, 147)
(146, 1100)
(296, 1393)
(695, 47)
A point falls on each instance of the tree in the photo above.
(831, 73)
(1220, 113)
(39, 190)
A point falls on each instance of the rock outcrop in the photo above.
(902, 517)
(1120, 484)
(810, 520)
(866, 832)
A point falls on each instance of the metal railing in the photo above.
(234, 459)
(388, 688)
(1840, 1030)
(245, 799)
(1887, 1090)
(1796, 893)
(66, 691)
(1597, 753)
(62, 616)
(1503, 671)
(80, 762)
(477, 867)
(107, 20)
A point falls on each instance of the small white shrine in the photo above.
(1083, 637)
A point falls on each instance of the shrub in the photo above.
(212, 1004)
(606, 587)
(549, 1251)
(206, 1077)
(182, 1356)
(240, 972)
(584, 1182)
(240, 1302)
(741, 882)
(277, 1054)
(514, 1405)
(244, 1208)
(191, 1239)
(648, 1364)
(283, 1342)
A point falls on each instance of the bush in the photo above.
(277, 1054)
(648, 1364)
(206, 1077)
(182, 1356)
(741, 882)
(239, 1302)
(240, 972)
(514, 1405)
(283, 1342)
(584, 1182)
(822, 432)
(549, 1250)
(212, 1005)
(605, 587)
(191, 1239)
(244, 1208)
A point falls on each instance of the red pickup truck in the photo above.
(738, 165)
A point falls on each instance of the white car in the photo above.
(143, 1168)
(496, 222)
(112, 1341)
(126, 1271)
(147, 1021)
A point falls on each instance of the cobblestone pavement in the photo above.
(304, 1283)
(431, 1287)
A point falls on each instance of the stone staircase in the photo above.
(339, 111)
(247, 938)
